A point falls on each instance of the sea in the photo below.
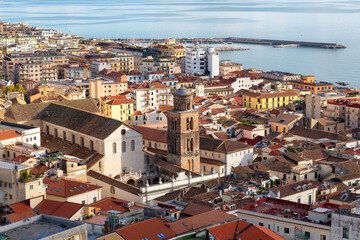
(333, 21)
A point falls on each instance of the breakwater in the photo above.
(261, 42)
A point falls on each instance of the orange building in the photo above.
(308, 83)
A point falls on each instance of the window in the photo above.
(10, 185)
(345, 231)
(83, 202)
(322, 237)
(133, 145)
(123, 146)
(299, 200)
(56, 133)
(112, 189)
(64, 136)
(114, 147)
(286, 230)
(94, 199)
(72, 138)
(10, 196)
(261, 224)
(82, 142)
(91, 145)
(309, 199)
(47, 130)
(31, 187)
(305, 176)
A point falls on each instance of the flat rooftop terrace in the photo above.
(17, 127)
(37, 227)
(280, 208)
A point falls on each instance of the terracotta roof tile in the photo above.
(9, 134)
(67, 188)
(148, 229)
(58, 208)
(199, 221)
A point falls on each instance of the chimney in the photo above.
(278, 193)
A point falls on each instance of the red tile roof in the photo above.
(20, 158)
(152, 134)
(67, 188)
(57, 208)
(152, 84)
(39, 169)
(110, 203)
(244, 230)
(146, 229)
(120, 101)
(9, 134)
(199, 221)
(21, 211)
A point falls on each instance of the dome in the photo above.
(182, 92)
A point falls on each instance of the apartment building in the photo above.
(74, 71)
(97, 66)
(318, 105)
(11, 60)
(199, 60)
(352, 115)
(308, 83)
(16, 184)
(166, 65)
(35, 72)
(120, 63)
(226, 67)
(290, 220)
(262, 101)
(280, 76)
(101, 88)
(117, 107)
(151, 95)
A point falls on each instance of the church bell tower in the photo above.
(183, 132)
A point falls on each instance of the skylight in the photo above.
(82, 186)
(76, 188)
(52, 188)
(59, 189)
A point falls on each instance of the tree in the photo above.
(11, 88)
(291, 149)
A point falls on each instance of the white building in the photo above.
(151, 95)
(227, 153)
(198, 60)
(98, 66)
(245, 83)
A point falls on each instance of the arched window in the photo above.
(112, 189)
(192, 144)
(114, 147)
(188, 145)
(187, 124)
(189, 164)
(123, 146)
(191, 124)
(132, 145)
(192, 164)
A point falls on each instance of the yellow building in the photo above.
(122, 63)
(178, 50)
(117, 107)
(262, 101)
